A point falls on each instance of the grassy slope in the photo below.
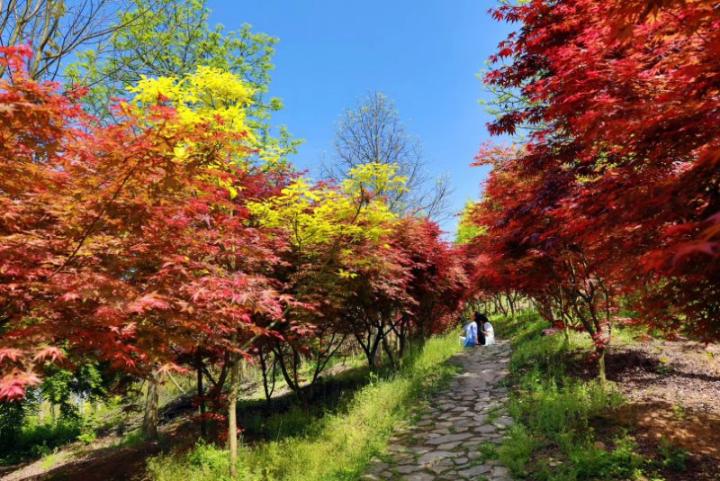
(555, 438)
(339, 446)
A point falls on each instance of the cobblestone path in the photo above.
(455, 438)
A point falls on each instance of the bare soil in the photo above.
(673, 408)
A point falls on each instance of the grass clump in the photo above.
(671, 456)
(554, 437)
(338, 446)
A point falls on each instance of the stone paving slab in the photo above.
(455, 438)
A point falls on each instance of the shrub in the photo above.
(671, 456)
(517, 450)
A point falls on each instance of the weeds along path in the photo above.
(456, 438)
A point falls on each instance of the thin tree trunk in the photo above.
(375, 351)
(268, 374)
(152, 411)
(290, 378)
(232, 415)
(218, 386)
(366, 349)
(601, 366)
(565, 318)
(402, 341)
(388, 351)
(511, 303)
(606, 333)
(201, 395)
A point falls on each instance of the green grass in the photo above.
(133, 438)
(554, 437)
(338, 446)
(487, 451)
(672, 457)
(27, 433)
(288, 416)
(34, 440)
(49, 461)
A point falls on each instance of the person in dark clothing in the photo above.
(480, 320)
(486, 332)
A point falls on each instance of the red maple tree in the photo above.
(615, 191)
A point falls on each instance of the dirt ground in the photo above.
(673, 408)
(103, 460)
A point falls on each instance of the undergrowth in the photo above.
(338, 446)
(25, 435)
(35, 440)
(554, 438)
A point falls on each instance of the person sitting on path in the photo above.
(487, 332)
(471, 334)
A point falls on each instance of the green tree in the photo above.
(467, 230)
(173, 41)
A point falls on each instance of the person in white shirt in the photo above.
(489, 333)
(486, 329)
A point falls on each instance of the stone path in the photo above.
(456, 437)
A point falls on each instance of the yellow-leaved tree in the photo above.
(322, 214)
(336, 232)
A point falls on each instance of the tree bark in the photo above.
(388, 352)
(232, 414)
(601, 366)
(201, 395)
(268, 374)
(152, 411)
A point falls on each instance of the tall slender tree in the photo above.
(372, 132)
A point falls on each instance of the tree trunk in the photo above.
(291, 378)
(374, 353)
(232, 415)
(388, 352)
(152, 411)
(369, 347)
(268, 374)
(565, 318)
(402, 341)
(201, 395)
(218, 386)
(606, 345)
(601, 366)
(499, 306)
(511, 303)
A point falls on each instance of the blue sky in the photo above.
(424, 54)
